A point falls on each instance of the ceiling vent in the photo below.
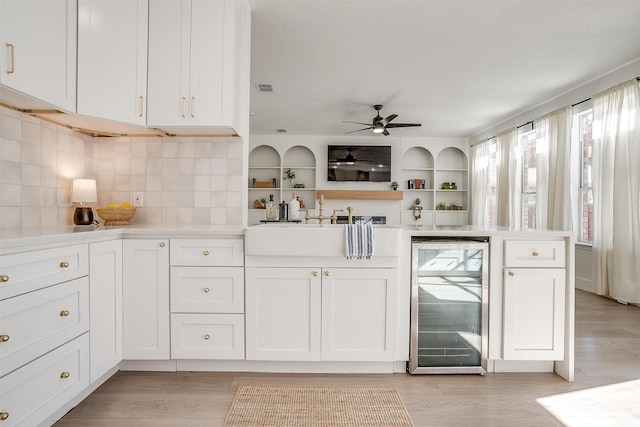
(264, 88)
(281, 130)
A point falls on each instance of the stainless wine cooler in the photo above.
(449, 306)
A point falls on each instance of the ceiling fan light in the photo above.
(378, 128)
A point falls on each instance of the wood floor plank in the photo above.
(607, 352)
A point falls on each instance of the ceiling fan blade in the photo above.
(387, 119)
(385, 132)
(358, 130)
(403, 125)
(358, 123)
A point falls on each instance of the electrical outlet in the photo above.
(138, 199)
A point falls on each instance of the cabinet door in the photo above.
(146, 299)
(38, 42)
(534, 313)
(283, 314)
(105, 306)
(353, 330)
(112, 59)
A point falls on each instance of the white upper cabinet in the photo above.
(198, 63)
(112, 59)
(38, 54)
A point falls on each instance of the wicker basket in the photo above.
(116, 216)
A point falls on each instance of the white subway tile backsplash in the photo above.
(170, 148)
(10, 172)
(11, 217)
(170, 199)
(202, 183)
(169, 215)
(31, 132)
(186, 166)
(30, 175)
(10, 126)
(185, 216)
(186, 150)
(138, 166)
(218, 183)
(154, 183)
(10, 150)
(122, 166)
(11, 194)
(219, 166)
(31, 196)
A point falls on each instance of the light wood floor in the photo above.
(607, 352)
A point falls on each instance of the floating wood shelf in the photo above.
(360, 194)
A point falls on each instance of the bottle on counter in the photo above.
(272, 210)
(294, 208)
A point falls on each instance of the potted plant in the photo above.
(394, 185)
(289, 175)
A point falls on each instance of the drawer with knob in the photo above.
(536, 254)
(207, 252)
(24, 272)
(33, 392)
(207, 289)
(35, 323)
(207, 336)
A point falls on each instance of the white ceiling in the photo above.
(456, 66)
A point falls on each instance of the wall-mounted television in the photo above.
(359, 163)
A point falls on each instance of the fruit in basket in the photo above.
(113, 206)
(126, 205)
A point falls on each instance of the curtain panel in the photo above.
(616, 192)
(509, 185)
(479, 179)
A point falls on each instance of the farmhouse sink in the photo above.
(325, 240)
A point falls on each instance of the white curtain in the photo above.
(479, 179)
(554, 191)
(616, 192)
(508, 184)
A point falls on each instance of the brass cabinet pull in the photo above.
(162, 244)
(64, 264)
(315, 274)
(207, 336)
(140, 106)
(326, 273)
(64, 375)
(535, 253)
(64, 313)
(206, 290)
(182, 102)
(193, 106)
(4, 278)
(12, 58)
(206, 253)
(4, 338)
(4, 416)
(511, 273)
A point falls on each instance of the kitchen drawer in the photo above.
(534, 253)
(32, 393)
(207, 289)
(207, 336)
(40, 321)
(28, 271)
(207, 252)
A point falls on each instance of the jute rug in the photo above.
(283, 406)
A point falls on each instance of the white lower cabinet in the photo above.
(105, 306)
(29, 395)
(534, 300)
(146, 299)
(313, 314)
(207, 336)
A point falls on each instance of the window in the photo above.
(584, 122)
(528, 144)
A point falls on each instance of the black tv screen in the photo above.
(359, 163)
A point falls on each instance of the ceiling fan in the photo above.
(380, 124)
(348, 159)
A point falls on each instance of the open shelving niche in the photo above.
(266, 165)
(450, 165)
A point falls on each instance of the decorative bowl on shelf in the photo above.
(116, 216)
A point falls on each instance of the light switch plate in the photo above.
(138, 199)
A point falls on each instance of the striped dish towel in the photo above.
(358, 241)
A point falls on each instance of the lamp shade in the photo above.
(84, 190)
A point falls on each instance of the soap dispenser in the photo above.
(294, 208)
(272, 210)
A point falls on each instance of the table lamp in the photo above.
(83, 191)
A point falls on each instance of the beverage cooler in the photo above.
(449, 306)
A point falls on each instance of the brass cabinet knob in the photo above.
(64, 375)
(511, 273)
(162, 244)
(326, 273)
(535, 253)
(4, 416)
(4, 338)
(206, 290)
(207, 336)
(64, 264)
(64, 313)
(4, 278)
(315, 274)
(206, 253)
